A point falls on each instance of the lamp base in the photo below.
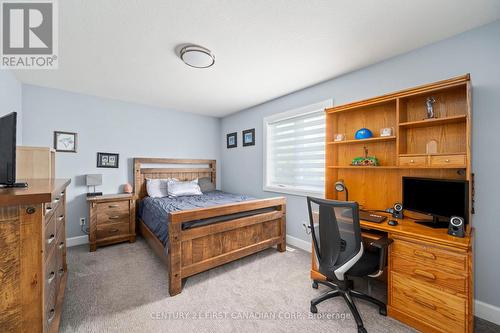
(94, 194)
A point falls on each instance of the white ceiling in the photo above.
(125, 50)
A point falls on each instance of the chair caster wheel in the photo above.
(383, 311)
(361, 330)
(315, 285)
(314, 309)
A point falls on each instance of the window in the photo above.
(294, 150)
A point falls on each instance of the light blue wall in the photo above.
(476, 52)
(105, 125)
(11, 100)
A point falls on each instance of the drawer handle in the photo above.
(56, 200)
(113, 206)
(61, 245)
(424, 274)
(424, 254)
(51, 239)
(51, 277)
(424, 303)
(447, 160)
(48, 209)
(60, 218)
(52, 314)
(61, 271)
(116, 217)
(112, 231)
(412, 161)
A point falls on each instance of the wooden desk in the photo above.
(430, 276)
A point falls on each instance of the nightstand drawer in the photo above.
(442, 310)
(448, 160)
(113, 207)
(433, 256)
(112, 230)
(432, 276)
(106, 217)
(416, 161)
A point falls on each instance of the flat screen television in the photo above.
(8, 127)
(438, 198)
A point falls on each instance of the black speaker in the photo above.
(397, 211)
(457, 226)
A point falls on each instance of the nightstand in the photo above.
(112, 219)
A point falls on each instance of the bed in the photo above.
(192, 235)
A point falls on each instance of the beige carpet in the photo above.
(123, 288)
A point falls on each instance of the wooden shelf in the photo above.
(434, 122)
(385, 167)
(376, 139)
(436, 154)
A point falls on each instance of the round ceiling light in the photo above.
(197, 56)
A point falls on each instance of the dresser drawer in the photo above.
(49, 236)
(50, 280)
(430, 305)
(112, 230)
(430, 275)
(416, 161)
(432, 256)
(60, 255)
(59, 216)
(448, 160)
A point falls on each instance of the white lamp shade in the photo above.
(93, 180)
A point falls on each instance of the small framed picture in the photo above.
(249, 137)
(65, 141)
(232, 140)
(107, 160)
(388, 131)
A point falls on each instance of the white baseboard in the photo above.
(78, 240)
(481, 309)
(487, 311)
(297, 242)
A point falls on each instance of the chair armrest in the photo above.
(382, 243)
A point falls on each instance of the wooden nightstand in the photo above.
(112, 219)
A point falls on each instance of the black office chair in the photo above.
(340, 253)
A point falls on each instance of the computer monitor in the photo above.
(438, 198)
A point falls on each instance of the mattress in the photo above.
(155, 211)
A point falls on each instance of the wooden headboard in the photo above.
(186, 170)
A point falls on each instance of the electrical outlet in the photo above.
(82, 221)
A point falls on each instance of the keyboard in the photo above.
(371, 217)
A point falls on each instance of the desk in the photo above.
(430, 276)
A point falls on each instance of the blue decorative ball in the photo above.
(363, 133)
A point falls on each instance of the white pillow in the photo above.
(176, 188)
(157, 188)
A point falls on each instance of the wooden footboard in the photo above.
(201, 248)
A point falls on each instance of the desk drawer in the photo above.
(112, 230)
(434, 257)
(448, 160)
(442, 310)
(415, 161)
(430, 275)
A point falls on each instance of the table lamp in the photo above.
(340, 187)
(93, 180)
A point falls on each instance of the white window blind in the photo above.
(295, 151)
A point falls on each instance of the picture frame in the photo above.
(65, 142)
(232, 140)
(248, 137)
(108, 160)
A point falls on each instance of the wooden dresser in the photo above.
(33, 267)
(112, 219)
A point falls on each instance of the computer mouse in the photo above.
(393, 223)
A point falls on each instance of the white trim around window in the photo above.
(272, 183)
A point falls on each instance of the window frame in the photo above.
(297, 112)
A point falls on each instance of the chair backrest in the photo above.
(338, 243)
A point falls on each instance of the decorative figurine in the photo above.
(363, 133)
(127, 188)
(366, 160)
(429, 103)
(339, 137)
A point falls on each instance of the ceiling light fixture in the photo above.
(197, 56)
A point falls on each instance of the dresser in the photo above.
(112, 219)
(33, 268)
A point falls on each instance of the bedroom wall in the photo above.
(105, 125)
(476, 52)
(11, 99)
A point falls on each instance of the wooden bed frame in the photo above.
(198, 249)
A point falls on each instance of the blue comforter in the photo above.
(154, 211)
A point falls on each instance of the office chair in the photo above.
(339, 252)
